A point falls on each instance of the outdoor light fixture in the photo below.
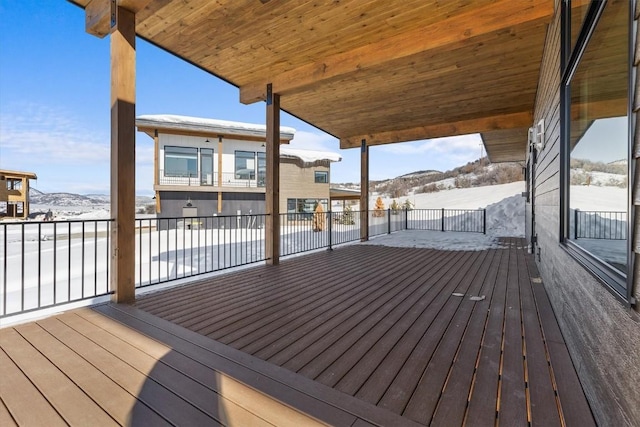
(189, 204)
(540, 140)
(206, 140)
(536, 136)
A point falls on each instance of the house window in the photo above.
(245, 165)
(262, 169)
(206, 166)
(180, 161)
(595, 145)
(303, 209)
(321, 177)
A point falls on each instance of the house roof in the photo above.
(208, 126)
(344, 194)
(309, 156)
(384, 71)
(17, 174)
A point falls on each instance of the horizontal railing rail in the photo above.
(51, 263)
(609, 225)
(209, 179)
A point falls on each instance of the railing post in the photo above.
(406, 218)
(484, 221)
(442, 220)
(330, 229)
(388, 220)
(575, 224)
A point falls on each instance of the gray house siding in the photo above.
(602, 335)
(206, 203)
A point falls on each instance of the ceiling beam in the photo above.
(482, 20)
(98, 14)
(463, 127)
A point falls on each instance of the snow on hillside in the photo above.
(592, 198)
(459, 198)
(65, 206)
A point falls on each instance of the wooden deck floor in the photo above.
(383, 325)
(363, 335)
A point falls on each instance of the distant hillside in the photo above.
(474, 174)
(37, 197)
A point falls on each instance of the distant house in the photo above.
(205, 167)
(14, 193)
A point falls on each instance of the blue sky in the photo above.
(55, 117)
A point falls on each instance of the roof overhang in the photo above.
(5, 173)
(207, 127)
(380, 71)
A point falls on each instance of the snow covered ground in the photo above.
(505, 218)
(460, 198)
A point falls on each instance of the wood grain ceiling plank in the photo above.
(298, 39)
(502, 121)
(450, 31)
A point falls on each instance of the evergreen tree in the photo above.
(378, 209)
(319, 220)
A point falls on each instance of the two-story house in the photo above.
(205, 167)
(14, 193)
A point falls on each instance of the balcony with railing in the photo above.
(211, 179)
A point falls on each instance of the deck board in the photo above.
(71, 402)
(454, 398)
(29, 407)
(541, 393)
(512, 408)
(425, 398)
(362, 335)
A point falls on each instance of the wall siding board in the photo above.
(601, 334)
(636, 159)
(299, 183)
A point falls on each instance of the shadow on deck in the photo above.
(363, 335)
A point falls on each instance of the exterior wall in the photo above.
(299, 183)
(229, 147)
(602, 335)
(296, 181)
(206, 204)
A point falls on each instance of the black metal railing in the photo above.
(226, 179)
(302, 232)
(46, 264)
(610, 225)
(464, 220)
(174, 248)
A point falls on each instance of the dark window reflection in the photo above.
(599, 140)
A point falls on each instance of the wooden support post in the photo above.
(364, 191)
(272, 196)
(220, 174)
(156, 169)
(156, 158)
(123, 117)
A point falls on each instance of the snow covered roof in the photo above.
(213, 126)
(309, 156)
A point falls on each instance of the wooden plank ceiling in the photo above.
(380, 70)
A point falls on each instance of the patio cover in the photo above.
(384, 71)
